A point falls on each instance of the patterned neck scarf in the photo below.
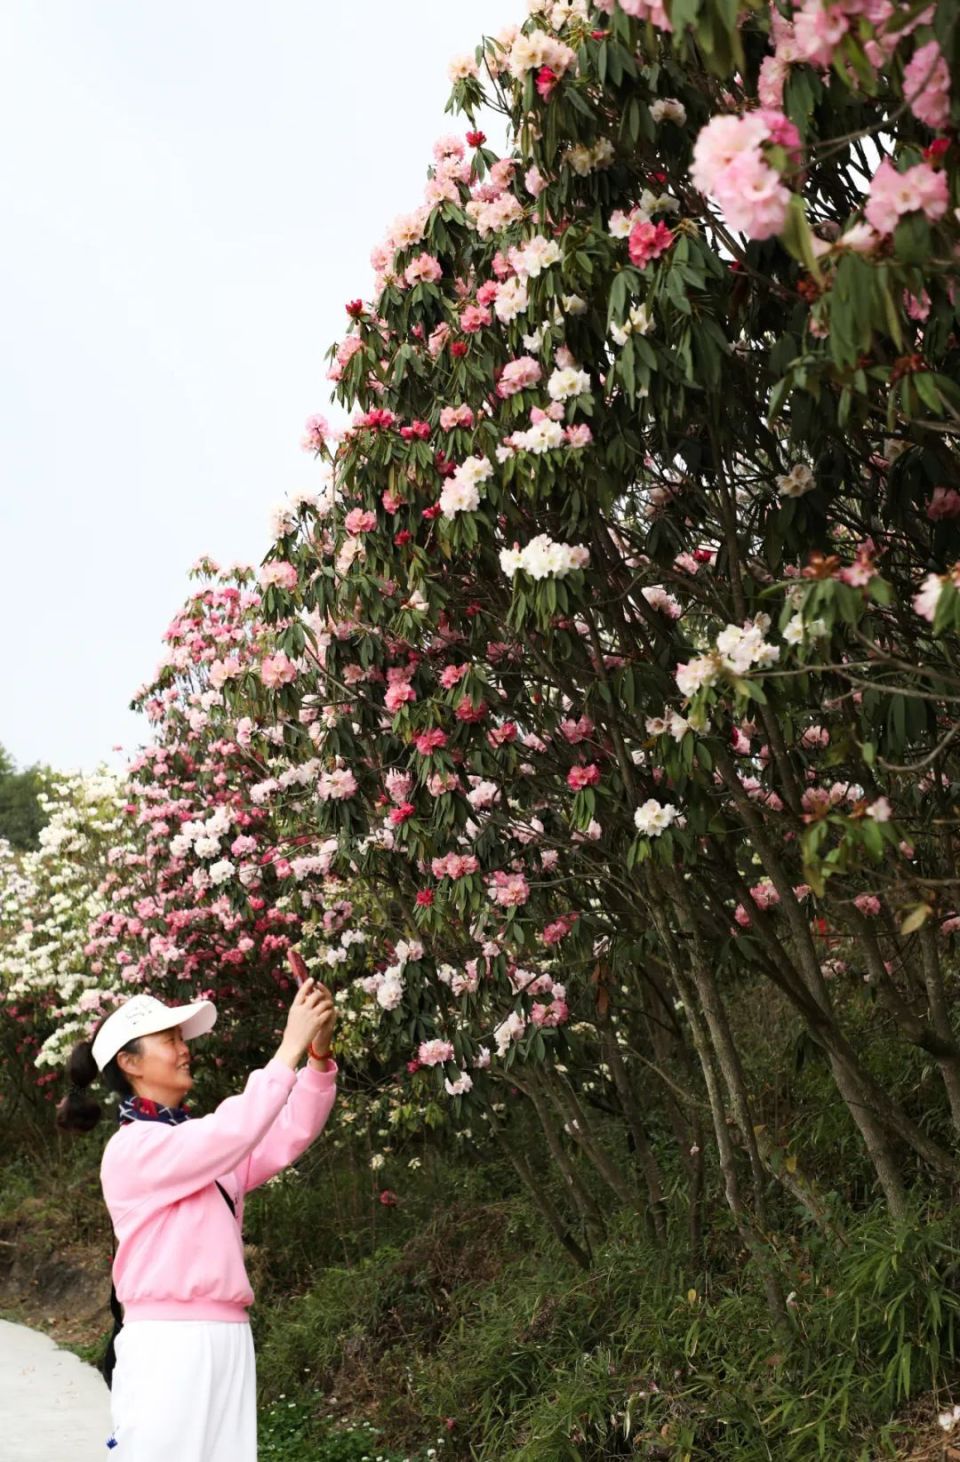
(142, 1109)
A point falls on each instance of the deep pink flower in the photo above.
(648, 241)
(587, 776)
(546, 82)
(473, 318)
(429, 741)
(398, 695)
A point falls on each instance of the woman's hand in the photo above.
(311, 1017)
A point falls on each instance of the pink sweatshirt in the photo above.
(179, 1248)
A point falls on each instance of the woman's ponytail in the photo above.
(80, 1111)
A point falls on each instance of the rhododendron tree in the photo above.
(621, 636)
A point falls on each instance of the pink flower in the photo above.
(277, 670)
(753, 198)
(587, 776)
(578, 436)
(818, 30)
(452, 674)
(920, 189)
(399, 694)
(337, 785)
(398, 785)
(509, 889)
(729, 165)
(867, 903)
(359, 520)
(316, 431)
(648, 241)
(815, 736)
(280, 573)
(402, 813)
(944, 503)
(926, 86)
(518, 375)
(424, 269)
(454, 416)
(432, 1053)
(576, 731)
(473, 318)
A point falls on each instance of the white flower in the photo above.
(927, 598)
(793, 630)
(461, 67)
(509, 1030)
(221, 871)
(512, 299)
(543, 558)
(537, 254)
(416, 602)
(574, 305)
(654, 817)
(460, 492)
(796, 482)
(568, 382)
(390, 992)
(463, 1083)
(696, 673)
(668, 109)
(638, 322)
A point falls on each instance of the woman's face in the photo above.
(161, 1071)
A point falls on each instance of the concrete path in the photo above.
(53, 1408)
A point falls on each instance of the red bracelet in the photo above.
(316, 1054)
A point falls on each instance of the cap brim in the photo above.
(193, 1020)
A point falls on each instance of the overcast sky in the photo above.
(190, 193)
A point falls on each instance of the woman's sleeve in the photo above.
(168, 1163)
(301, 1120)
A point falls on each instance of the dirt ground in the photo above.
(63, 1290)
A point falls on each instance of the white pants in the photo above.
(184, 1391)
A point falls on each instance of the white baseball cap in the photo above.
(142, 1015)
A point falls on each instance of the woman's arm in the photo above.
(305, 1113)
(300, 1122)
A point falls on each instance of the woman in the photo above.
(184, 1386)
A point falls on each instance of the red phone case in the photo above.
(300, 970)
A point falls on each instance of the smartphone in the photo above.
(298, 966)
